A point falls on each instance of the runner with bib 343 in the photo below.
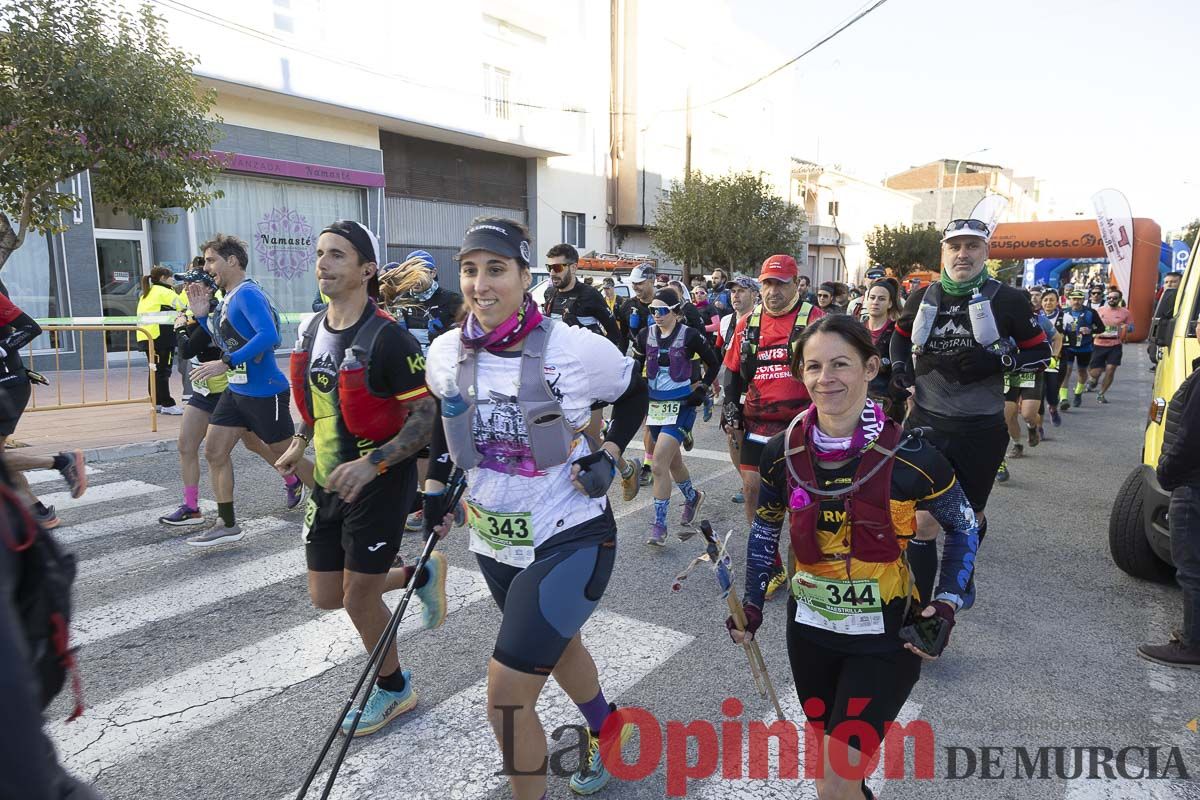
(517, 391)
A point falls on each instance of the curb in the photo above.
(97, 455)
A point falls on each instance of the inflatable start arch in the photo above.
(1081, 239)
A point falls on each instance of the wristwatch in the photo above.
(225, 358)
(377, 459)
(1008, 361)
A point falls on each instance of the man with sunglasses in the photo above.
(1079, 323)
(1116, 324)
(574, 302)
(953, 350)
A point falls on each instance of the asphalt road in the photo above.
(210, 675)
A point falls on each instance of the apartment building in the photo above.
(949, 188)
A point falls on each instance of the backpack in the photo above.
(218, 315)
(44, 575)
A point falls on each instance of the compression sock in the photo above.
(393, 683)
(61, 462)
(225, 512)
(191, 496)
(595, 711)
(660, 511)
(1079, 388)
(689, 492)
(1063, 394)
(648, 460)
(923, 561)
(290, 481)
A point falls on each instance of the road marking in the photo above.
(625, 649)
(695, 452)
(123, 523)
(136, 559)
(150, 716)
(120, 490)
(36, 476)
(1125, 789)
(183, 598)
(773, 787)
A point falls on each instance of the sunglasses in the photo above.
(966, 224)
(662, 311)
(1097, 294)
(557, 268)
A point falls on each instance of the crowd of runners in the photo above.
(865, 422)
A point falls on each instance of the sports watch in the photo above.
(378, 460)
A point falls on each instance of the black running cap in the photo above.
(499, 236)
(357, 234)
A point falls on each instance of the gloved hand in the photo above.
(731, 416)
(900, 383)
(433, 508)
(754, 619)
(940, 612)
(697, 396)
(974, 364)
(596, 473)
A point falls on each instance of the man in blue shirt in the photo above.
(1079, 324)
(258, 399)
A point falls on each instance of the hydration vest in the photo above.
(551, 437)
(366, 413)
(931, 303)
(750, 336)
(227, 337)
(867, 500)
(679, 366)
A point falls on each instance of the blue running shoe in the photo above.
(592, 776)
(382, 707)
(433, 593)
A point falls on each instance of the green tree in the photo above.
(905, 248)
(1190, 232)
(730, 221)
(85, 85)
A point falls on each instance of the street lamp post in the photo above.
(957, 167)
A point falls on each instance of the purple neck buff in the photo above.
(837, 448)
(507, 333)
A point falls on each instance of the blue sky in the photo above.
(1083, 95)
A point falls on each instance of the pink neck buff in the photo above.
(833, 448)
(507, 333)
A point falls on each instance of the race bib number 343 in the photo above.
(506, 537)
(841, 606)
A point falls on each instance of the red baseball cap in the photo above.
(779, 268)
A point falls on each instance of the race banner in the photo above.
(1116, 231)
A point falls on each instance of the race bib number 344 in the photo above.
(841, 606)
(508, 538)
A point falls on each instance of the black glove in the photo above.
(974, 364)
(731, 416)
(596, 473)
(753, 616)
(900, 383)
(696, 398)
(931, 634)
(433, 509)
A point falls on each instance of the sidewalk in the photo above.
(104, 433)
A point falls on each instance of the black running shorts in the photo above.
(837, 679)
(363, 536)
(1079, 358)
(204, 402)
(975, 450)
(546, 604)
(270, 418)
(12, 404)
(1106, 357)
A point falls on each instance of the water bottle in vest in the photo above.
(983, 321)
(453, 406)
(353, 373)
(923, 322)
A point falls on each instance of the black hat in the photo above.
(496, 235)
(359, 236)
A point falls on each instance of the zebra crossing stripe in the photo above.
(121, 523)
(125, 615)
(36, 476)
(105, 492)
(135, 559)
(625, 649)
(150, 716)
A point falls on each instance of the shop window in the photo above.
(109, 219)
(33, 282)
(573, 226)
(496, 87)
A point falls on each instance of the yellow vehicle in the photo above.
(1138, 534)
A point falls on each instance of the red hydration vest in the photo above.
(867, 503)
(367, 414)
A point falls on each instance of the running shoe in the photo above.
(75, 472)
(658, 535)
(592, 775)
(415, 521)
(688, 441)
(1035, 436)
(1078, 400)
(382, 707)
(183, 516)
(1064, 405)
(646, 477)
(1002, 473)
(1055, 417)
(295, 494)
(433, 594)
(1017, 450)
(1090, 386)
(1172, 654)
(171, 411)
(48, 519)
(629, 480)
(739, 498)
(777, 580)
(1100, 398)
(216, 535)
(690, 508)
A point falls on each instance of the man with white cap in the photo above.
(955, 340)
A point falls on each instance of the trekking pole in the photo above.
(723, 564)
(454, 489)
